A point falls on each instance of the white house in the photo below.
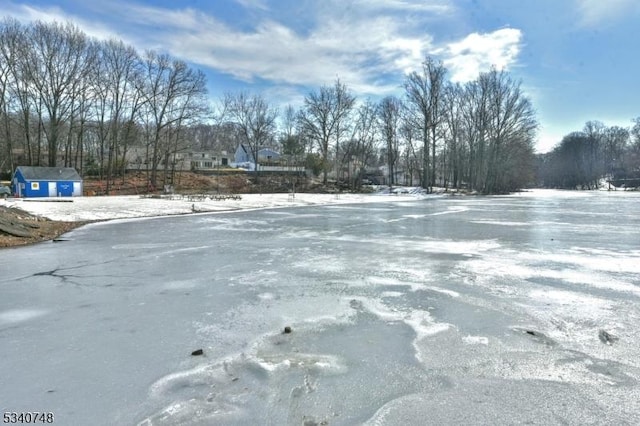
(184, 161)
(205, 160)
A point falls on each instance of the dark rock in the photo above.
(355, 304)
(538, 336)
(606, 338)
(197, 352)
(14, 229)
(287, 330)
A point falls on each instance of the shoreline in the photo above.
(50, 219)
(53, 218)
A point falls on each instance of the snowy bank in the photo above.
(122, 207)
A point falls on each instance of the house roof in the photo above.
(260, 150)
(49, 173)
(268, 151)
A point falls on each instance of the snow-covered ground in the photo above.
(121, 207)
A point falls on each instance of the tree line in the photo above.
(70, 100)
(85, 103)
(583, 158)
(479, 135)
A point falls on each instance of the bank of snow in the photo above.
(122, 207)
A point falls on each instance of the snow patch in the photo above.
(475, 340)
(318, 363)
(131, 206)
(266, 296)
(450, 211)
(391, 294)
(450, 293)
(389, 281)
(13, 316)
(180, 285)
(569, 298)
(524, 266)
(502, 223)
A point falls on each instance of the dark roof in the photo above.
(49, 173)
(263, 150)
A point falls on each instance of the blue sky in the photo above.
(577, 59)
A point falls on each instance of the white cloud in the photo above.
(356, 48)
(369, 44)
(436, 7)
(594, 12)
(27, 14)
(253, 4)
(479, 52)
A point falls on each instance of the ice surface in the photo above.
(460, 310)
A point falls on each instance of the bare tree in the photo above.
(452, 108)
(256, 120)
(632, 154)
(423, 93)
(115, 102)
(389, 116)
(616, 140)
(317, 123)
(291, 141)
(56, 63)
(361, 147)
(342, 114)
(324, 116)
(173, 94)
(511, 123)
(8, 57)
(582, 158)
(412, 152)
(15, 51)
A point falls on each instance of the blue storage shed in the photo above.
(46, 182)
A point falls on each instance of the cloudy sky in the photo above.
(577, 59)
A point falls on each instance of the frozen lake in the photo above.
(478, 310)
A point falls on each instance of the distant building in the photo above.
(46, 182)
(197, 161)
(265, 155)
(206, 160)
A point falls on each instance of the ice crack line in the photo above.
(66, 278)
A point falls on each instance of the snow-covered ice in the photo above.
(399, 314)
(132, 206)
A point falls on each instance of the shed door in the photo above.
(77, 189)
(52, 189)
